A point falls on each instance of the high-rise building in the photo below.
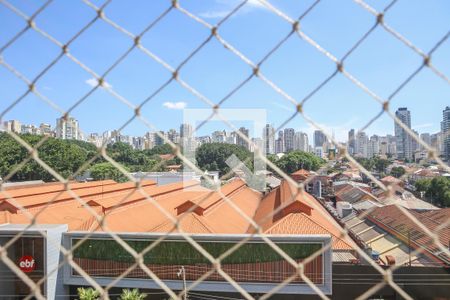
(319, 138)
(426, 137)
(301, 141)
(269, 139)
(173, 136)
(13, 126)
(257, 143)
(138, 142)
(414, 143)
(186, 130)
(445, 130)
(361, 144)
(404, 140)
(351, 142)
(373, 148)
(240, 140)
(289, 139)
(219, 136)
(160, 138)
(67, 129)
(279, 143)
(46, 129)
(231, 137)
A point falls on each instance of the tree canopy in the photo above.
(66, 157)
(296, 160)
(212, 157)
(437, 190)
(398, 172)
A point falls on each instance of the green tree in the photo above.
(106, 170)
(398, 172)
(160, 149)
(212, 157)
(65, 157)
(88, 294)
(133, 294)
(381, 164)
(296, 160)
(422, 185)
(439, 190)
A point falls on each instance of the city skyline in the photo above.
(398, 144)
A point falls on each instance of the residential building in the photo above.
(257, 143)
(30, 129)
(160, 139)
(301, 141)
(219, 136)
(289, 139)
(362, 144)
(95, 139)
(67, 128)
(373, 148)
(138, 142)
(279, 142)
(13, 126)
(404, 140)
(414, 143)
(200, 140)
(437, 142)
(319, 138)
(269, 139)
(46, 129)
(351, 147)
(186, 130)
(173, 136)
(445, 129)
(425, 137)
(240, 140)
(231, 138)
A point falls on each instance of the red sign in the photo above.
(26, 263)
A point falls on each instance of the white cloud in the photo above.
(284, 105)
(93, 82)
(224, 7)
(175, 105)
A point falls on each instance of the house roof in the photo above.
(391, 180)
(399, 224)
(301, 172)
(233, 209)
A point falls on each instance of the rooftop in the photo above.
(234, 209)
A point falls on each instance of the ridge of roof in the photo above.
(31, 201)
(211, 198)
(34, 190)
(136, 196)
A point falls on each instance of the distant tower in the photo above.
(351, 142)
(240, 140)
(269, 139)
(67, 129)
(403, 139)
(319, 138)
(445, 130)
(289, 139)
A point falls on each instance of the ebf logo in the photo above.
(27, 263)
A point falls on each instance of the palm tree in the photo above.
(132, 295)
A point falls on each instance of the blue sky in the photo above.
(382, 63)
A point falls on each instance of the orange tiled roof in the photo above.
(301, 172)
(45, 197)
(199, 210)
